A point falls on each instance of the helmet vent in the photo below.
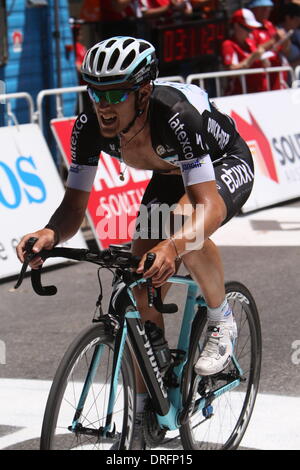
(127, 42)
(143, 46)
(113, 60)
(129, 59)
(110, 43)
(100, 61)
(92, 56)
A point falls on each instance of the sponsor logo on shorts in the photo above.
(237, 176)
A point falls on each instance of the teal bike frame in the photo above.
(167, 402)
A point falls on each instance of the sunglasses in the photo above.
(110, 96)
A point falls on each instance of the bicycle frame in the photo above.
(167, 403)
(173, 397)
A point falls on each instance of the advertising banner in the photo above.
(114, 202)
(270, 124)
(30, 191)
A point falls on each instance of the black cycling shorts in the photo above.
(234, 174)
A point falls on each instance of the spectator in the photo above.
(240, 52)
(289, 20)
(117, 17)
(90, 10)
(152, 12)
(208, 8)
(268, 36)
(154, 8)
(184, 6)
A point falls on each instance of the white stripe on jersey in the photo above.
(194, 94)
(197, 170)
(81, 177)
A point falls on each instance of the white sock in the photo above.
(221, 313)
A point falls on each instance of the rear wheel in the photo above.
(91, 351)
(222, 422)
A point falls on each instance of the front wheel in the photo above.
(74, 399)
(221, 421)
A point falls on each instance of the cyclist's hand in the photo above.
(46, 240)
(163, 266)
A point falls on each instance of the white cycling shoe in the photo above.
(218, 349)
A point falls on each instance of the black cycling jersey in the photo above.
(186, 130)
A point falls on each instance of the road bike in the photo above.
(91, 404)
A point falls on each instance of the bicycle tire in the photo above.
(68, 382)
(223, 426)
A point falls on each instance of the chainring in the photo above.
(153, 433)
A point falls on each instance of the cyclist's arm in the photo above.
(68, 217)
(64, 223)
(196, 133)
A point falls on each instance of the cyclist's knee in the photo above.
(194, 257)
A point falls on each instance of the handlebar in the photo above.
(117, 256)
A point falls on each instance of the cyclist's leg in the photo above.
(139, 247)
(162, 189)
(205, 265)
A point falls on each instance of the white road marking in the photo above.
(274, 424)
(279, 226)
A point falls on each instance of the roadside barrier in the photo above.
(5, 99)
(218, 76)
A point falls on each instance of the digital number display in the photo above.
(189, 41)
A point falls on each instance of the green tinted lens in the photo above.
(111, 96)
(117, 96)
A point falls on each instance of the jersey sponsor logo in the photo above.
(214, 128)
(74, 168)
(199, 141)
(191, 165)
(182, 137)
(237, 176)
(79, 123)
(160, 150)
(93, 160)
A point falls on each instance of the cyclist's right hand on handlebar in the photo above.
(45, 240)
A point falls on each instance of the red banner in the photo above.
(113, 203)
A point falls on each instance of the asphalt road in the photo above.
(36, 330)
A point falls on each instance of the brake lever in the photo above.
(150, 289)
(35, 273)
(28, 248)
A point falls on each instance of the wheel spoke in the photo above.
(219, 430)
(68, 390)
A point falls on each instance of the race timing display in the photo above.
(187, 41)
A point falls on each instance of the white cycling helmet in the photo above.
(118, 60)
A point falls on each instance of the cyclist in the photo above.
(198, 159)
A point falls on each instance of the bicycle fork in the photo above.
(103, 431)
